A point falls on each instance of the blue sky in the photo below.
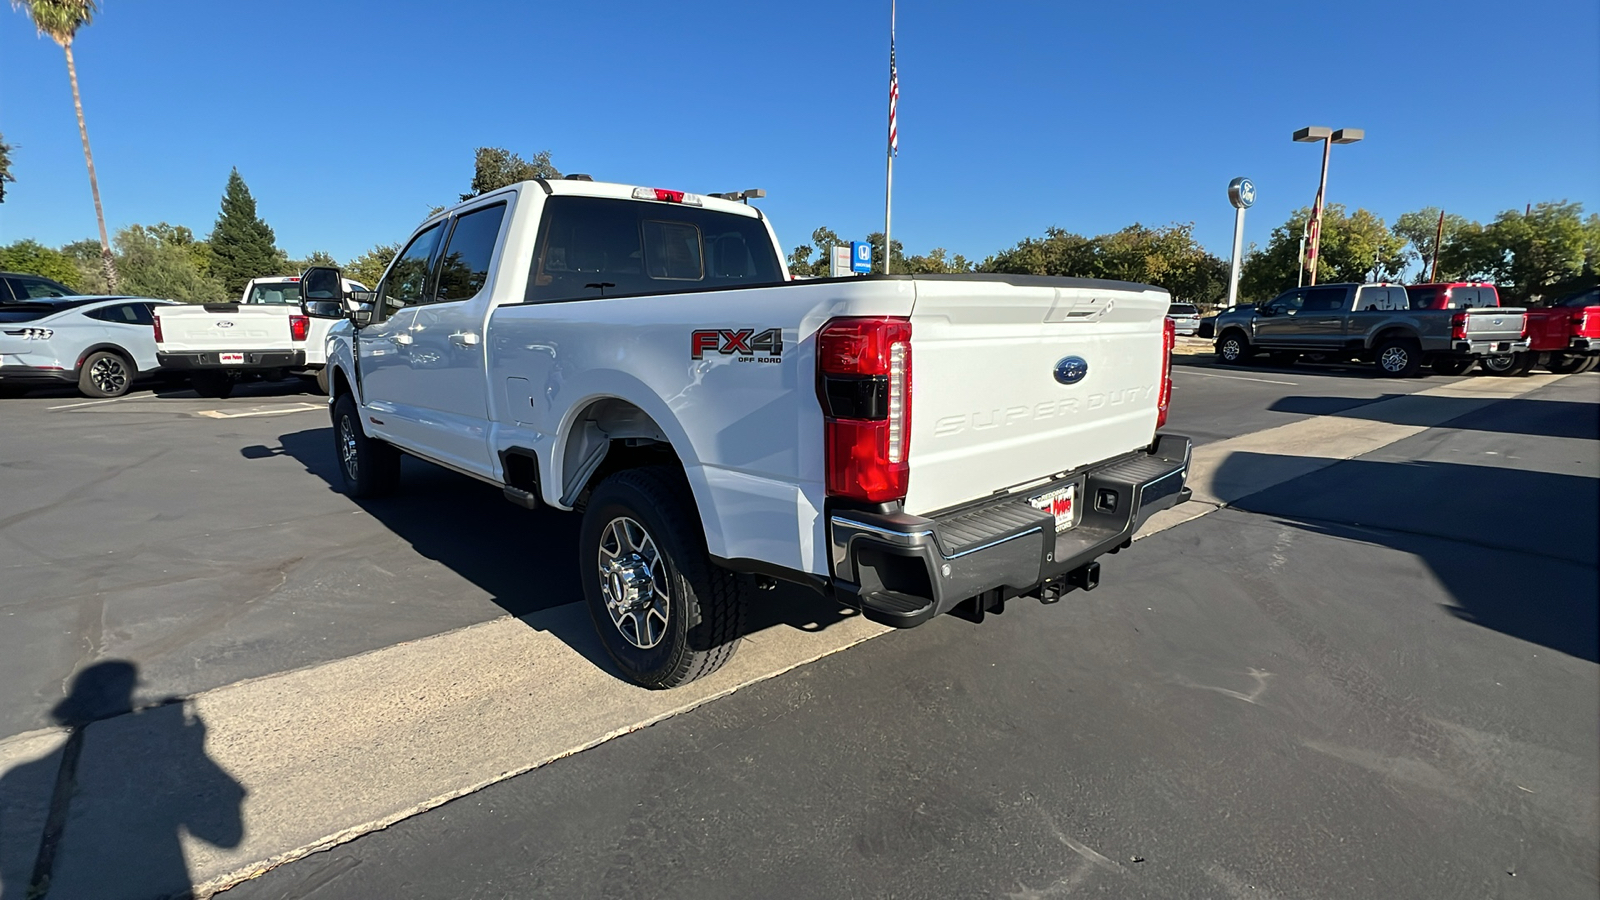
(350, 119)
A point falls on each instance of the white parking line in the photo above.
(1234, 377)
(280, 411)
(87, 403)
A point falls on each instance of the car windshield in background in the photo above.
(598, 247)
(1587, 298)
(29, 311)
(278, 293)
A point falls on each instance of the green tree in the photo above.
(160, 261)
(1354, 248)
(368, 268)
(34, 257)
(1420, 229)
(1059, 252)
(937, 263)
(61, 19)
(1591, 244)
(242, 245)
(800, 261)
(317, 258)
(495, 167)
(1526, 253)
(1167, 256)
(5, 167)
(876, 240)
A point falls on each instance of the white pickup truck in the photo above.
(914, 445)
(272, 331)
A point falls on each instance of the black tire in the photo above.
(1233, 348)
(370, 467)
(1451, 365)
(1591, 363)
(689, 621)
(1398, 357)
(1516, 365)
(105, 374)
(1567, 363)
(322, 380)
(212, 385)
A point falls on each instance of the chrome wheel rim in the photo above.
(347, 448)
(1497, 363)
(1394, 359)
(632, 583)
(1231, 349)
(109, 375)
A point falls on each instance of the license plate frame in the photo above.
(231, 358)
(1062, 503)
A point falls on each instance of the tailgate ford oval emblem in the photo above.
(1071, 370)
(224, 324)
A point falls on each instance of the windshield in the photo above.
(275, 293)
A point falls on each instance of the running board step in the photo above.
(895, 609)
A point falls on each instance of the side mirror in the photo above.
(358, 306)
(1264, 310)
(322, 292)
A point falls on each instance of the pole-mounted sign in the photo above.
(860, 257)
(1242, 194)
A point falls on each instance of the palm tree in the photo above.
(61, 19)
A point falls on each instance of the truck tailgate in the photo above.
(1494, 323)
(988, 410)
(224, 326)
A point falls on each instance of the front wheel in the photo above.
(105, 374)
(666, 613)
(1233, 348)
(371, 467)
(214, 385)
(1399, 357)
(1451, 365)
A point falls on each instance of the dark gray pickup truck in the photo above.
(1370, 322)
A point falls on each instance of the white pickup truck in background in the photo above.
(272, 332)
(914, 445)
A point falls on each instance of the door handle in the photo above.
(464, 339)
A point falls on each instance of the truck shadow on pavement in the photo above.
(525, 560)
(1516, 549)
(1546, 418)
(104, 813)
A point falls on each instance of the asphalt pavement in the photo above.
(1375, 680)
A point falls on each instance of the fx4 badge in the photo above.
(743, 343)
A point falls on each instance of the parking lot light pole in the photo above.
(1310, 135)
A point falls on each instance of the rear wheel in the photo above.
(105, 374)
(1399, 357)
(1514, 366)
(666, 613)
(1591, 363)
(371, 467)
(1451, 365)
(1567, 363)
(212, 384)
(1233, 348)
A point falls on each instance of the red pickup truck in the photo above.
(1565, 336)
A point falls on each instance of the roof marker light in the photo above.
(666, 196)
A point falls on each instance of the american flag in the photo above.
(894, 90)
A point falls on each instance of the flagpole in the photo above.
(888, 185)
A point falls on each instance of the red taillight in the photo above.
(158, 328)
(1458, 326)
(299, 327)
(864, 385)
(1167, 343)
(1524, 324)
(666, 196)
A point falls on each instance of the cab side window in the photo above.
(1287, 304)
(407, 283)
(464, 264)
(1323, 300)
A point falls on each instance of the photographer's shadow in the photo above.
(108, 810)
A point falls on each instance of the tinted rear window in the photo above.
(27, 312)
(600, 247)
(1587, 298)
(275, 293)
(1183, 309)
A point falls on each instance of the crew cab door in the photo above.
(444, 386)
(1276, 321)
(1321, 322)
(383, 358)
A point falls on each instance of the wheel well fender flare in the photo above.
(109, 348)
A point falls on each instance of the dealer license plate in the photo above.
(1061, 503)
(226, 358)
